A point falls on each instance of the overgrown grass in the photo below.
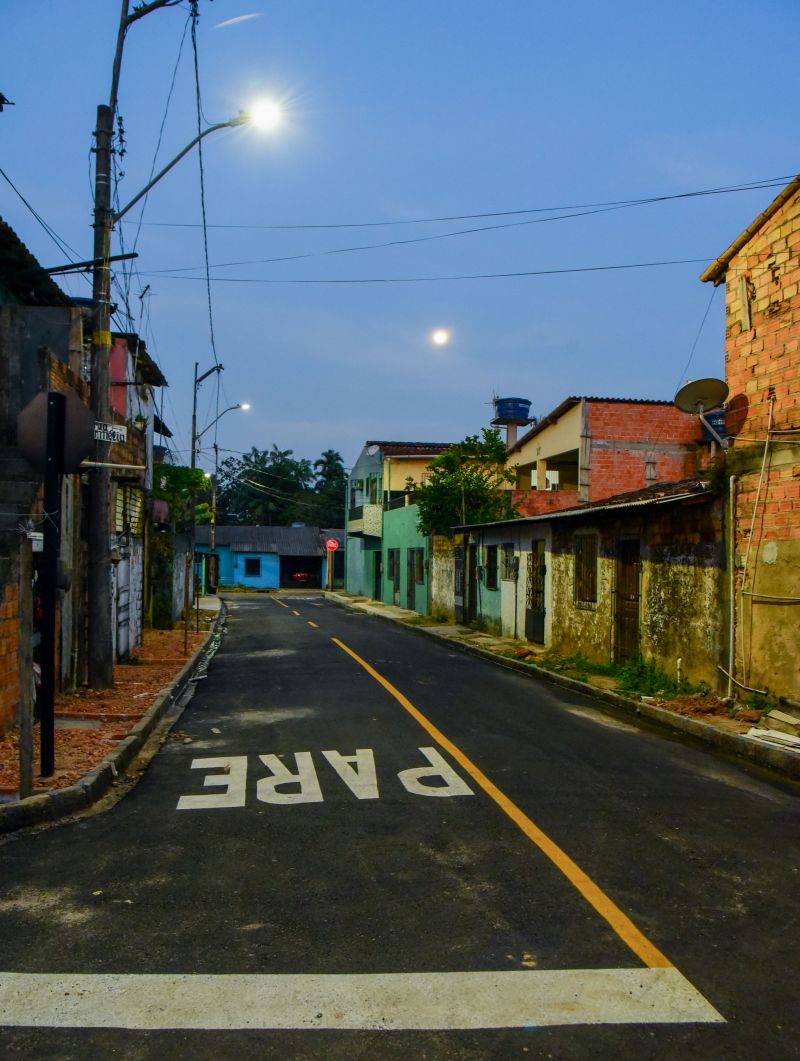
(635, 678)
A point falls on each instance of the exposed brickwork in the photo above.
(9, 653)
(762, 361)
(535, 502)
(630, 446)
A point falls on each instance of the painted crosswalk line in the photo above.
(370, 1001)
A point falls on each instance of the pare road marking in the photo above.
(283, 786)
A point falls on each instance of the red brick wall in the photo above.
(536, 502)
(9, 651)
(626, 436)
(764, 360)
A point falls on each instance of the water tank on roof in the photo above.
(512, 410)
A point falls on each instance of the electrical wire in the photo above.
(755, 185)
(602, 209)
(69, 252)
(435, 279)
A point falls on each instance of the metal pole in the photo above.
(56, 405)
(101, 649)
(25, 668)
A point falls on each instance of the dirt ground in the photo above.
(89, 722)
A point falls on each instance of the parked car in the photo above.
(303, 577)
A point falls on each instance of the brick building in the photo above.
(761, 273)
(41, 348)
(588, 449)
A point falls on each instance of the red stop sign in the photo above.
(331, 544)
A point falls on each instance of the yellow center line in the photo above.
(316, 627)
(594, 895)
(279, 601)
(294, 612)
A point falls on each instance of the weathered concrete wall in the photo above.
(683, 604)
(442, 576)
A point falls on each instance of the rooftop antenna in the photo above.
(701, 396)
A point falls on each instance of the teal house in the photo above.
(387, 558)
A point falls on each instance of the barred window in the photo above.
(585, 569)
(252, 567)
(491, 567)
(509, 568)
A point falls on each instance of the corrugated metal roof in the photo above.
(23, 276)
(285, 541)
(410, 449)
(658, 494)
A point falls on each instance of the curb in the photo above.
(63, 802)
(732, 744)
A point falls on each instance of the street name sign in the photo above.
(109, 432)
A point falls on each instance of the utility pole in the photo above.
(101, 641)
(101, 645)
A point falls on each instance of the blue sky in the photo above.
(396, 113)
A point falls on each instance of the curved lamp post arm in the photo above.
(241, 119)
(208, 427)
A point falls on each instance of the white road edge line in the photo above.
(366, 1001)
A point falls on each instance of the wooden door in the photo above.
(627, 570)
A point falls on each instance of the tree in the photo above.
(330, 485)
(468, 483)
(180, 486)
(265, 487)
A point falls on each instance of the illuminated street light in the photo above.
(265, 114)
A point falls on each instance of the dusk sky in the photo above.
(399, 113)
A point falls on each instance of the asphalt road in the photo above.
(360, 843)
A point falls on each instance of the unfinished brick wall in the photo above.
(634, 444)
(535, 502)
(762, 359)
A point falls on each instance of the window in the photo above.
(509, 566)
(491, 566)
(252, 567)
(585, 569)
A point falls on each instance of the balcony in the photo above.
(365, 520)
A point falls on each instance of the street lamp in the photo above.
(101, 650)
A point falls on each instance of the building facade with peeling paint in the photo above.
(642, 575)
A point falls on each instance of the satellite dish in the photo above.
(372, 450)
(701, 395)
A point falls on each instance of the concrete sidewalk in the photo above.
(496, 649)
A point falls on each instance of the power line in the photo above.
(69, 252)
(435, 279)
(755, 185)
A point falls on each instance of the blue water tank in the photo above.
(512, 410)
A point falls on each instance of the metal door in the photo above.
(378, 577)
(411, 577)
(534, 593)
(471, 604)
(123, 608)
(626, 600)
(458, 588)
